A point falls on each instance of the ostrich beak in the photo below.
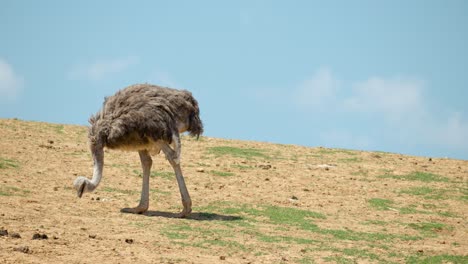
(80, 191)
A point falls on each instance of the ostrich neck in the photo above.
(98, 157)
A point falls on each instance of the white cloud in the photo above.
(10, 82)
(396, 110)
(317, 91)
(101, 69)
(395, 98)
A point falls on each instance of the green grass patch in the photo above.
(221, 173)
(447, 214)
(438, 259)
(339, 260)
(168, 175)
(380, 204)
(292, 217)
(245, 153)
(429, 228)
(360, 253)
(427, 192)
(8, 163)
(417, 176)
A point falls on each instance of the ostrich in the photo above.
(144, 118)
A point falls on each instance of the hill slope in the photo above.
(253, 203)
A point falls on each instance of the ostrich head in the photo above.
(82, 185)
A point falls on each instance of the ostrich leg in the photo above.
(146, 163)
(173, 156)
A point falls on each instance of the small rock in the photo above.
(3, 232)
(50, 141)
(15, 235)
(267, 179)
(222, 257)
(265, 166)
(129, 240)
(55, 189)
(294, 198)
(24, 249)
(98, 198)
(326, 166)
(430, 159)
(92, 236)
(38, 236)
(200, 170)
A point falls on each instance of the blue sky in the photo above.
(371, 75)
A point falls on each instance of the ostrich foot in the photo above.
(135, 210)
(187, 209)
(186, 212)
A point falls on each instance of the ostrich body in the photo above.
(144, 118)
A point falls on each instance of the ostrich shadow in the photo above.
(198, 216)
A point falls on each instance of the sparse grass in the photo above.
(412, 209)
(339, 260)
(295, 218)
(222, 173)
(360, 253)
(360, 173)
(285, 239)
(8, 163)
(12, 191)
(242, 167)
(336, 151)
(381, 204)
(447, 214)
(350, 160)
(245, 153)
(168, 175)
(429, 228)
(115, 190)
(417, 176)
(59, 129)
(375, 222)
(438, 259)
(426, 192)
(420, 190)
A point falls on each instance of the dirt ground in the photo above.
(252, 203)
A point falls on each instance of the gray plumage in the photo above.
(141, 112)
